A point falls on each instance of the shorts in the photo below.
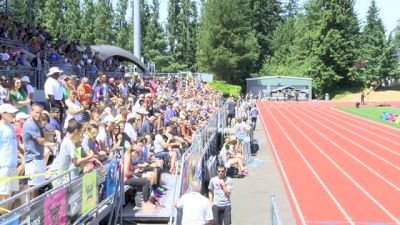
(10, 186)
(35, 167)
(162, 155)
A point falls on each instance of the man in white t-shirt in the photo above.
(129, 127)
(53, 90)
(196, 209)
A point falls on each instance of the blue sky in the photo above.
(388, 10)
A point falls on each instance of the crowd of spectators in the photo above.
(152, 118)
(31, 47)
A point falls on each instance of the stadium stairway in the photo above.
(161, 214)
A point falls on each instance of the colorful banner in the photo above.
(55, 208)
(89, 192)
(24, 218)
(36, 213)
(74, 200)
(13, 220)
(111, 178)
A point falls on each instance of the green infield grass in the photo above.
(373, 113)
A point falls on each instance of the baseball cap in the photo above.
(7, 108)
(25, 78)
(21, 115)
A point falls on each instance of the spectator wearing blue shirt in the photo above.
(8, 152)
(54, 123)
(168, 114)
(33, 139)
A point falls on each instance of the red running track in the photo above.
(337, 168)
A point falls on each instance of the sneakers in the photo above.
(148, 206)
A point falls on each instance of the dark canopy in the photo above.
(287, 88)
(107, 51)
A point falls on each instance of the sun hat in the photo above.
(7, 108)
(130, 116)
(25, 78)
(108, 119)
(53, 70)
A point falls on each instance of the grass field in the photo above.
(373, 113)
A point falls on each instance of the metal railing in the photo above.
(74, 201)
(204, 144)
(275, 219)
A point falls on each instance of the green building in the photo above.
(277, 87)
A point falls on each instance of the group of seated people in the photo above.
(34, 48)
(153, 119)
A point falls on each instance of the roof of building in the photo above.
(274, 77)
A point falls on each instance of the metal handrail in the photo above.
(275, 219)
(71, 179)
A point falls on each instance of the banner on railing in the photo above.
(55, 208)
(74, 199)
(70, 202)
(89, 192)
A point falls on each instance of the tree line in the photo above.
(236, 39)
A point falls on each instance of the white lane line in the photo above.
(313, 171)
(303, 222)
(355, 143)
(354, 133)
(344, 172)
(381, 127)
(333, 115)
(341, 148)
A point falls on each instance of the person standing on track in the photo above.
(362, 102)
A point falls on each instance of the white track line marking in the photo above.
(344, 172)
(334, 115)
(354, 133)
(282, 169)
(344, 150)
(360, 146)
(369, 122)
(312, 169)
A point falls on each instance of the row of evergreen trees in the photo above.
(236, 39)
(322, 40)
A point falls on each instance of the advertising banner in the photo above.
(111, 178)
(89, 192)
(74, 200)
(13, 220)
(36, 213)
(55, 208)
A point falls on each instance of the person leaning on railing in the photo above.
(67, 159)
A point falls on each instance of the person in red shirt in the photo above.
(84, 91)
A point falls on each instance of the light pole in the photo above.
(136, 29)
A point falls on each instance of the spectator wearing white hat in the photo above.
(27, 87)
(53, 90)
(104, 137)
(130, 128)
(8, 152)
